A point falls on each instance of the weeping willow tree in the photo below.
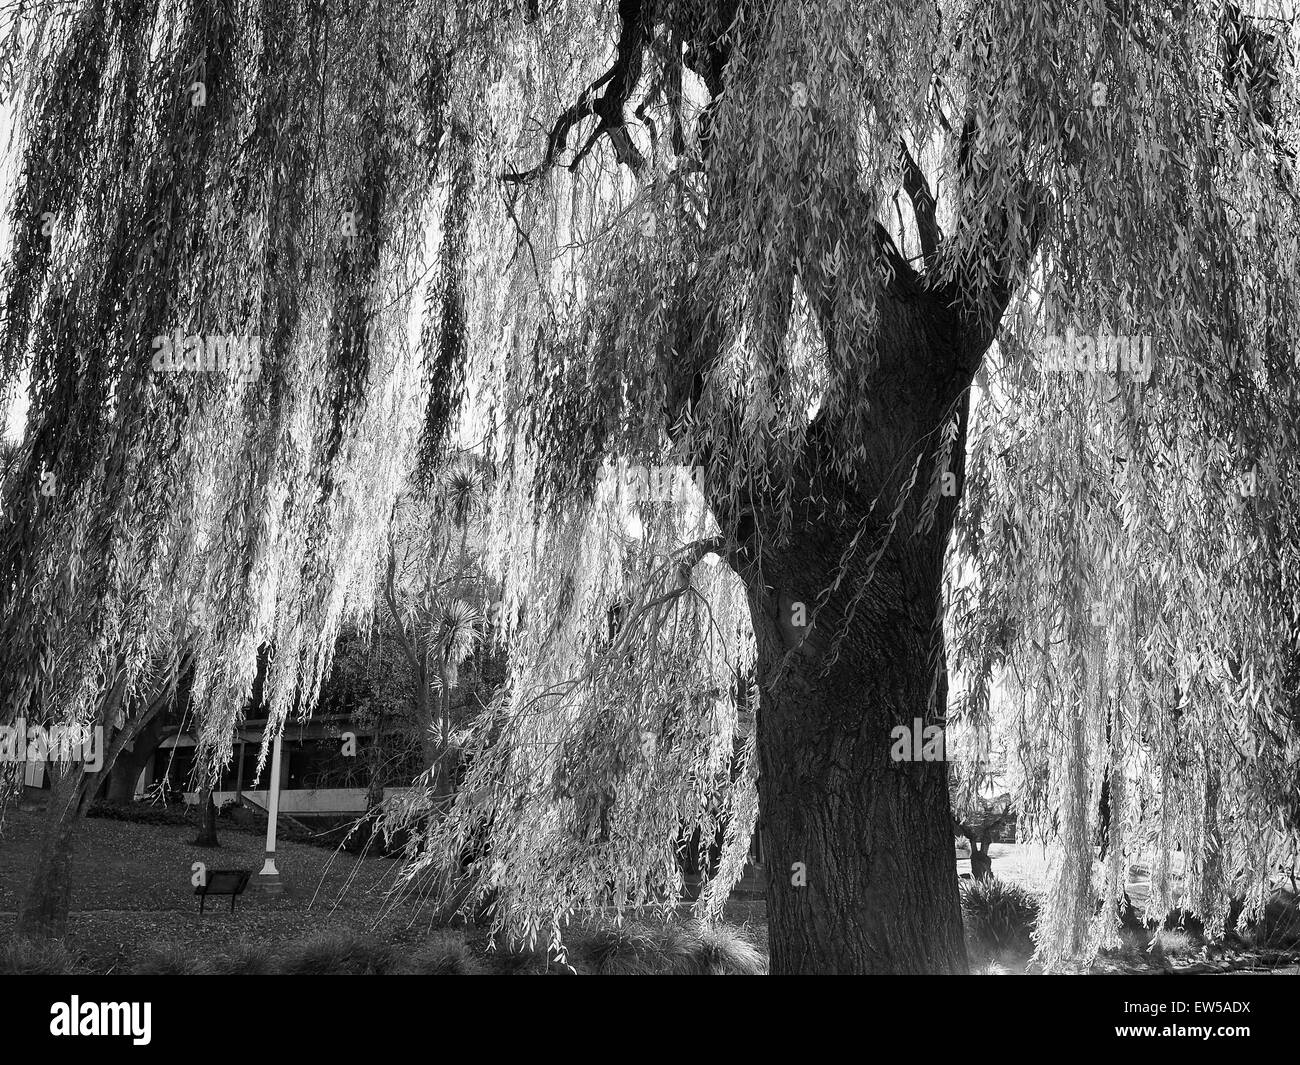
(781, 242)
(785, 245)
(775, 242)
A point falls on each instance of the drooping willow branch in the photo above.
(608, 108)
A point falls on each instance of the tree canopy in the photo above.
(822, 252)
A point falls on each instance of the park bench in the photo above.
(223, 882)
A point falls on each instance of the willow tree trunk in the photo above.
(861, 867)
(43, 912)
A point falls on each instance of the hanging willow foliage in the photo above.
(1132, 539)
(220, 177)
(672, 234)
(665, 301)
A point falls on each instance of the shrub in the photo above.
(1170, 943)
(34, 957)
(620, 950)
(443, 955)
(727, 951)
(527, 961)
(167, 959)
(339, 954)
(689, 948)
(1186, 922)
(1279, 926)
(1132, 943)
(1000, 916)
(680, 946)
(246, 958)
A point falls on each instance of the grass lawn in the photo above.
(1020, 863)
(133, 893)
(132, 885)
(132, 888)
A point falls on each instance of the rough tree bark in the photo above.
(880, 891)
(43, 911)
(873, 835)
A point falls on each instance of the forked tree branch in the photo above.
(923, 205)
(618, 82)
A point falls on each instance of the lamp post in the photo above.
(269, 878)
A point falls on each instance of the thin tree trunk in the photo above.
(417, 655)
(980, 839)
(43, 913)
(207, 836)
(445, 785)
(425, 719)
(375, 785)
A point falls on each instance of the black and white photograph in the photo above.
(651, 487)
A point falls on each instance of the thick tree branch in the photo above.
(903, 281)
(923, 206)
(609, 107)
(91, 781)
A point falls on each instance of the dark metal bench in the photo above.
(223, 882)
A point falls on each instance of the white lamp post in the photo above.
(269, 878)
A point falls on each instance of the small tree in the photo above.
(980, 828)
(980, 808)
(431, 584)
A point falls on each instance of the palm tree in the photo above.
(430, 580)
